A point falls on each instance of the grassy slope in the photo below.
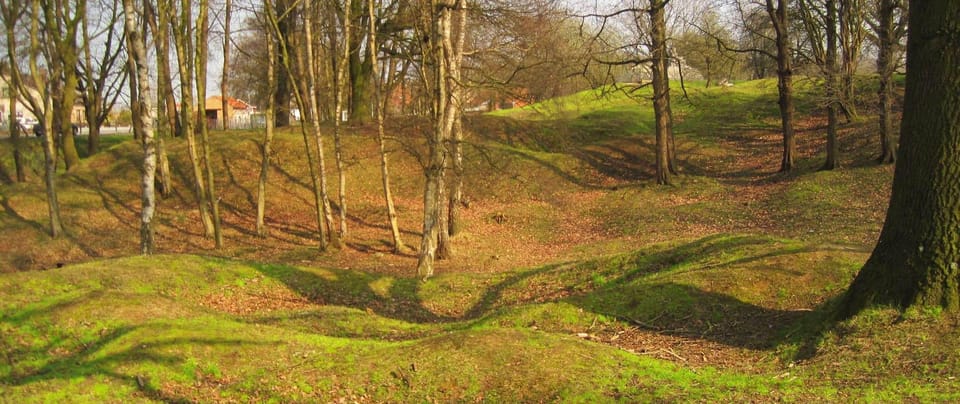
(597, 286)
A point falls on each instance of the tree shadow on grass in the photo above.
(397, 300)
(637, 293)
(62, 356)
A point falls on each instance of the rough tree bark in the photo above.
(661, 88)
(915, 262)
(436, 32)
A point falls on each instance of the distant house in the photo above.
(240, 113)
(24, 115)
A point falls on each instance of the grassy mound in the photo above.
(575, 279)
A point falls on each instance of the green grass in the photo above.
(594, 285)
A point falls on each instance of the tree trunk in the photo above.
(886, 64)
(144, 125)
(310, 70)
(435, 59)
(341, 67)
(661, 89)
(203, 31)
(456, 145)
(831, 85)
(285, 57)
(185, 62)
(284, 28)
(778, 16)
(380, 104)
(360, 67)
(267, 141)
(225, 72)
(166, 102)
(915, 260)
(852, 34)
(15, 137)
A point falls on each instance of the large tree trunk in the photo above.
(778, 16)
(831, 84)
(915, 260)
(886, 64)
(436, 64)
(144, 124)
(661, 89)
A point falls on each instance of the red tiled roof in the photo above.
(234, 103)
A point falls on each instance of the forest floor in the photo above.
(575, 278)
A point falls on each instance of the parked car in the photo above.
(39, 132)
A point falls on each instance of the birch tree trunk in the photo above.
(314, 104)
(457, 98)
(435, 64)
(340, 75)
(138, 56)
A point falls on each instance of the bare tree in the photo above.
(10, 14)
(184, 44)
(267, 139)
(103, 77)
(380, 106)
(889, 26)
(39, 103)
(202, 54)
(820, 20)
(340, 66)
(779, 16)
